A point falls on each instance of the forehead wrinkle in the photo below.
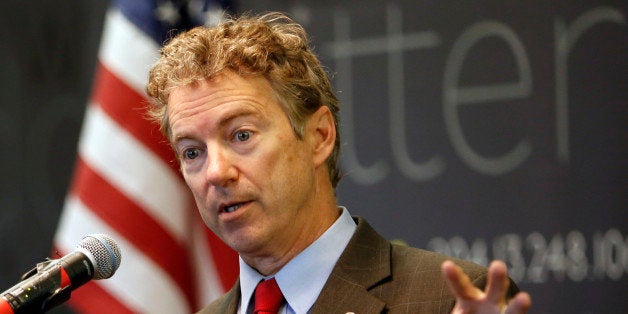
(180, 116)
(225, 91)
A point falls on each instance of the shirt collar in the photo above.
(302, 278)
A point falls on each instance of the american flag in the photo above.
(127, 184)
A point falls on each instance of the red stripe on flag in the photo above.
(129, 110)
(138, 227)
(225, 259)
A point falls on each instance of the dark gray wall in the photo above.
(47, 55)
(485, 129)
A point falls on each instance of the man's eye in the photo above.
(242, 136)
(191, 153)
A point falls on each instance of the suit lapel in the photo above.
(363, 265)
(232, 305)
(231, 300)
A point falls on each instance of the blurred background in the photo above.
(481, 129)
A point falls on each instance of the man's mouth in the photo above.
(232, 208)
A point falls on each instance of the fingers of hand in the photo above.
(498, 282)
(519, 304)
(458, 282)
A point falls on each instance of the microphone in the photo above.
(50, 283)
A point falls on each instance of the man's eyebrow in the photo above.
(224, 121)
(237, 113)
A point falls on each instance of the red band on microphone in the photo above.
(5, 307)
(65, 279)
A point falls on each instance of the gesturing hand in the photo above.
(470, 299)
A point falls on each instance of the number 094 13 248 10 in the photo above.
(537, 258)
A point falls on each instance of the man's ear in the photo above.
(321, 133)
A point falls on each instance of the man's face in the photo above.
(252, 179)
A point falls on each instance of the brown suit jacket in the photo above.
(375, 276)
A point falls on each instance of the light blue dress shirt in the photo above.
(303, 278)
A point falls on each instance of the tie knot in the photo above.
(268, 297)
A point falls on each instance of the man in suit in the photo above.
(252, 118)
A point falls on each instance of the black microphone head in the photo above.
(105, 254)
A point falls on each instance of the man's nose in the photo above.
(221, 168)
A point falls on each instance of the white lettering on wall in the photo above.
(565, 39)
(454, 96)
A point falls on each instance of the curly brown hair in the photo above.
(270, 45)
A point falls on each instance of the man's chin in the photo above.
(241, 241)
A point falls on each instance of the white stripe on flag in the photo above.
(139, 283)
(135, 171)
(127, 51)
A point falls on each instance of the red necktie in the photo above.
(268, 297)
